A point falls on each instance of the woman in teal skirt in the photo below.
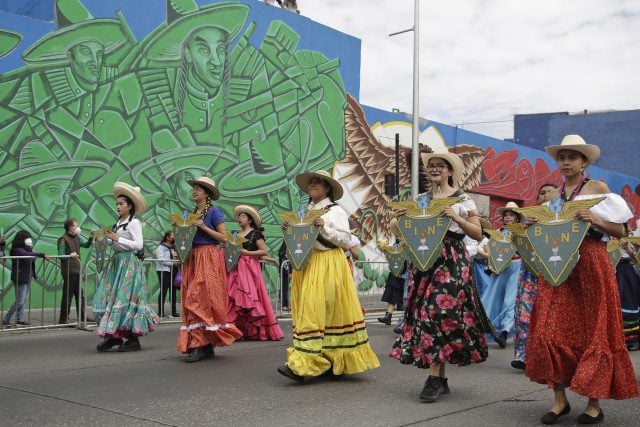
(120, 301)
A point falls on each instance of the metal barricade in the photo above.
(370, 278)
(41, 300)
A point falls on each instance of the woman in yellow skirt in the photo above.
(329, 332)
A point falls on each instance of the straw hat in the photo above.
(305, 178)
(208, 183)
(510, 206)
(124, 189)
(454, 160)
(575, 143)
(246, 209)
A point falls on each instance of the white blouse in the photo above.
(336, 225)
(612, 209)
(129, 239)
(462, 208)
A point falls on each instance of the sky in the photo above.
(487, 60)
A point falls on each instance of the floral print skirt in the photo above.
(527, 286)
(120, 302)
(443, 315)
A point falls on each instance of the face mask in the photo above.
(78, 231)
(28, 242)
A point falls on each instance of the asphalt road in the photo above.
(56, 377)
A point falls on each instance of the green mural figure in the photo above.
(42, 193)
(8, 41)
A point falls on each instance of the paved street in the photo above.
(56, 377)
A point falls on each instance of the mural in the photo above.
(243, 93)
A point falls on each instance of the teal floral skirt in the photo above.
(120, 301)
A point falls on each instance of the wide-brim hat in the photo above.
(305, 178)
(510, 206)
(167, 44)
(208, 183)
(133, 193)
(575, 143)
(38, 164)
(246, 209)
(454, 160)
(52, 49)
(8, 41)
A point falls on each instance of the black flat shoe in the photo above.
(552, 417)
(588, 419)
(287, 372)
(107, 344)
(208, 351)
(195, 355)
(433, 387)
(518, 364)
(132, 344)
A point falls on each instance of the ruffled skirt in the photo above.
(204, 301)
(329, 330)
(249, 304)
(120, 302)
(576, 337)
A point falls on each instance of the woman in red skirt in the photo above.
(204, 288)
(576, 335)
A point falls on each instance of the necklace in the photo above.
(575, 191)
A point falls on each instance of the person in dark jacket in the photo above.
(22, 271)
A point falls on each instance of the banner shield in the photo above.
(614, 254)
(396, 258)
(423, 237)
(232, 250)
(500, 254)
(183, 231)
(100, 247)
(557, 246)
(299, 240)
(528, 254)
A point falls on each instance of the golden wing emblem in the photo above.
(99, 234)
(613, 245)
(238, 240)
(184, 222)
(313, 214)
(635, 240)
(409, 205)
(497, 236)
(292, 217)
(540, 212)
(517, 229)
(437, 205)
(572, 208)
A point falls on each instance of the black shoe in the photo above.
(552, 417)
(501, 339)
(433, 387)
(195, 355)
(633, 347)
(445, 384)
(518, 364)
(386, 319)
(132, 344)
(6, 322)
(287, 372)
(208, 351)
(588, 419)
(23, 323)
(108, 344)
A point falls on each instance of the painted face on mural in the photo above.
(206, 51)
(49, 200)
(86, 61)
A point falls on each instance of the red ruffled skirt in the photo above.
(204, 301)
(249, 306)
(576, 337)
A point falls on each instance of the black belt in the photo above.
(454, 235)
(625, 261)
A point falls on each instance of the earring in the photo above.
(208, 200)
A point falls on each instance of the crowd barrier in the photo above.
(43, 301)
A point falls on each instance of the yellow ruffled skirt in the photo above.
(329, 329)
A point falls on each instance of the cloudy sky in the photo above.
(486, 60)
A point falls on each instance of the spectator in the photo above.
(70, 244)
(22, 271)
(167, 270)
(285, 270)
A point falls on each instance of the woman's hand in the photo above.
(198, 223)
(449, 212)
(318, 222)
(112, 235)
(284, 225)
(530, 220)
(47, 257)
(398, 213)
(588, 216)
(244, 252)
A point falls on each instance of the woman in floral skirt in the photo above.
(442, 317)
(120, 302)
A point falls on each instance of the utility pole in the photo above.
(415, 154)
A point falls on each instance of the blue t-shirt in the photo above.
(213, 218)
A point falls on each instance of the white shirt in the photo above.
(163, 252)
(336, 225)
(471, 244)
(129, 239)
